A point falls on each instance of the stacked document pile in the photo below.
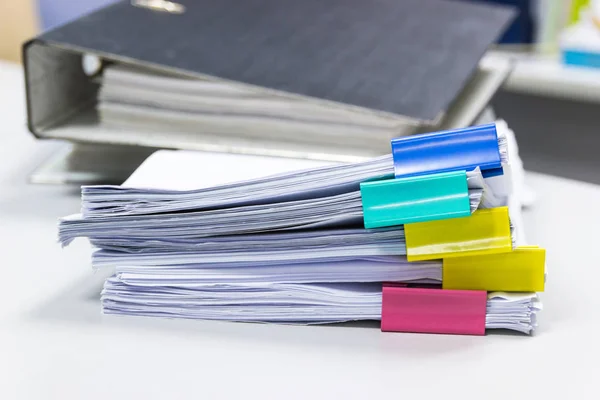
(142, 100)
(422, 239)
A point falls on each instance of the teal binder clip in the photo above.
(415, 199)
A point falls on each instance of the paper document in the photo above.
(290, 303)
(242, 238)
(344, 210)
(334, 269)
(134, 198)
(102, 201)
(143, 100)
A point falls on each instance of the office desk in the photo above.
(55, 344)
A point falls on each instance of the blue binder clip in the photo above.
(452, 150)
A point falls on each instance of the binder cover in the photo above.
(433, 310)
(405, 61)
(484, 232)
(415, 199)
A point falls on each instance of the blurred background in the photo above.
(551, 99)
(22, 19)
(540, 21)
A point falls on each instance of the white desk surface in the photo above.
(55, 344)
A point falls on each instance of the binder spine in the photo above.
(522, 270)
(415, 199)
(444, 151)
(433, 310)
(484, 232)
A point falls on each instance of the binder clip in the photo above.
(415, 199)
(452, 150)
(484, 232)
(421, 310)
(521, 270)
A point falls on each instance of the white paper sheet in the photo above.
(289, 303)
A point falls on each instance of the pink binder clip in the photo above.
(406, 309)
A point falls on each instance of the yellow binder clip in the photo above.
(485, 232)
(522, 270)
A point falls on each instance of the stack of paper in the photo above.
(343, 210)
(290, 303)
(292, 247)
(141, 100)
